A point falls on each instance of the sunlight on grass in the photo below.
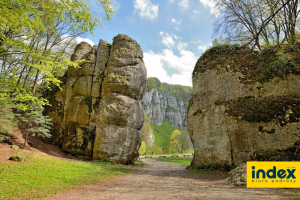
(41, 177)
(182, 161)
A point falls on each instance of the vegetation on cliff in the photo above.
(281, 109)
(162, 133)
(180, 92)
(255, 66)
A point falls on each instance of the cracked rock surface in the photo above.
(98, 112)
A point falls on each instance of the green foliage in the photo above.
(271, 63)
(222, 48)
(152, 82)
(103, 162)
(143, 148)
(21, 106)
(33, 38)
(206, 169)
(169, 109)
(139, 163)
(185, 143)
(175, 142)
(162, 140)
(42, 177)
(34, 122)
(218, 57)
(118, 78)
(283, 109)
(146, 128)
(6, 120)
(181, 161)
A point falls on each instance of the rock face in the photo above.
(98, 112)
(162, 106)
(231, 122)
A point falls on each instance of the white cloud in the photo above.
(172, 41)
(182, 45)
(182, 65)
(114, 5)
(80, 39)
(194, 15)
(171, 1)
(177, 24)
(195, 40)
(156, 65)
(145, 9)
(167, 39)
(211, 5)
(184, 4)
(202, 48)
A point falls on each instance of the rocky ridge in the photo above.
(98, 112)
(161, 106)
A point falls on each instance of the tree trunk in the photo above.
(26, 138)
(35, 81)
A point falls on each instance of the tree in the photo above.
(257, 22)
(175, 141)
(184, 141)
(146, 128)
(34, 123)
(31, 31)
(143, 148)
(35, 36)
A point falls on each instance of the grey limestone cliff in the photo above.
(161, 106)
(98, 112)
(233, 118)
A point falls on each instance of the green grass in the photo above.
(161, 145)
(162, 137)
(41, 177)
(182, 161)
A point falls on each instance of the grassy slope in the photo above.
(162, 137)
(39, 177)
(182, 161)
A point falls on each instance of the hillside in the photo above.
(164, 102)
(165, 108)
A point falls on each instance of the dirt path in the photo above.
(162, 180)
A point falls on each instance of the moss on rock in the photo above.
(289, 154)
(255, 66)
(282, 109)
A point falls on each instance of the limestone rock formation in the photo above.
(233, 119)
(162, 106)
(120, 115)
(98, 112)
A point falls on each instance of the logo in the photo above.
(273, 174)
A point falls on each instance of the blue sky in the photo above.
(172, 33)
